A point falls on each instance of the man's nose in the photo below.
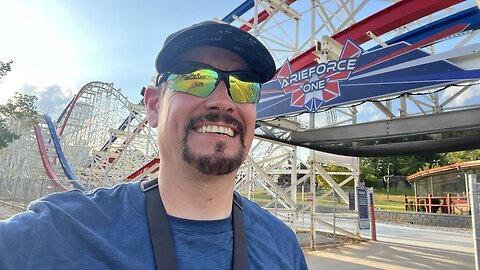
(220, 99)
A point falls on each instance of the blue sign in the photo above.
(357, 75)
(362, 204)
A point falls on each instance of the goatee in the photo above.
(217, 163)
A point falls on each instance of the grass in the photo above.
(393, 200)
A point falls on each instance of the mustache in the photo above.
(217, 117)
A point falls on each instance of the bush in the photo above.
(435, 208)
(410, 206)
(371, 181)
(421, 207)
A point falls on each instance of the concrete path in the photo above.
(400, 248)
(392, 256)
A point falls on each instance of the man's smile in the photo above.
(226, 131)
(216, 123)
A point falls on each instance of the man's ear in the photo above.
(151, 97)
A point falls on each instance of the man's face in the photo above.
(212, 134)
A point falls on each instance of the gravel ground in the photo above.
(325, 239)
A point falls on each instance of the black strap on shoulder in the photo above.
(162, 242)
(240, 254)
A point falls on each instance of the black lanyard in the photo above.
(162, 242)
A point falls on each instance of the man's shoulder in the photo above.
(99, 222)
(76, 201)
(260, 218)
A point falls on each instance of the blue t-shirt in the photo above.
(108, 229)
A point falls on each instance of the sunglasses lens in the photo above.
(199, 83)
(200, 80)
(244, 87)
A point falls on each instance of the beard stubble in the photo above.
(216, 163)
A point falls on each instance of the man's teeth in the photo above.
(216, 129)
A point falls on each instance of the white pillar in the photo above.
(474, 194)
(293, 188)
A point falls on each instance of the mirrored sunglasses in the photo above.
(200, 80)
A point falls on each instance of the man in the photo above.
(204, 108)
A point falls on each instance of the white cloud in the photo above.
(367, 112)
(468, 97)
(52, 99)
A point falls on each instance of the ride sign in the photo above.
(400, 67)
(310, 87)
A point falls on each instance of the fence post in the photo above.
(449, 202)
(472, 180)
(429, 203)
(405, 202)
(416, 203)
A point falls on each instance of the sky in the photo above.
(57, 46)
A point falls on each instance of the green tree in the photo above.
(338, 178)
(21, 108)
(368, 172)
(376, 167)
(462, 156)
(6, 136)
(5, 68)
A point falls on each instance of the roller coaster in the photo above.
(412, 90)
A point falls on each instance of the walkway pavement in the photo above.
(386, 255)
(401, 248)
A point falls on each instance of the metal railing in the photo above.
(433, 204)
